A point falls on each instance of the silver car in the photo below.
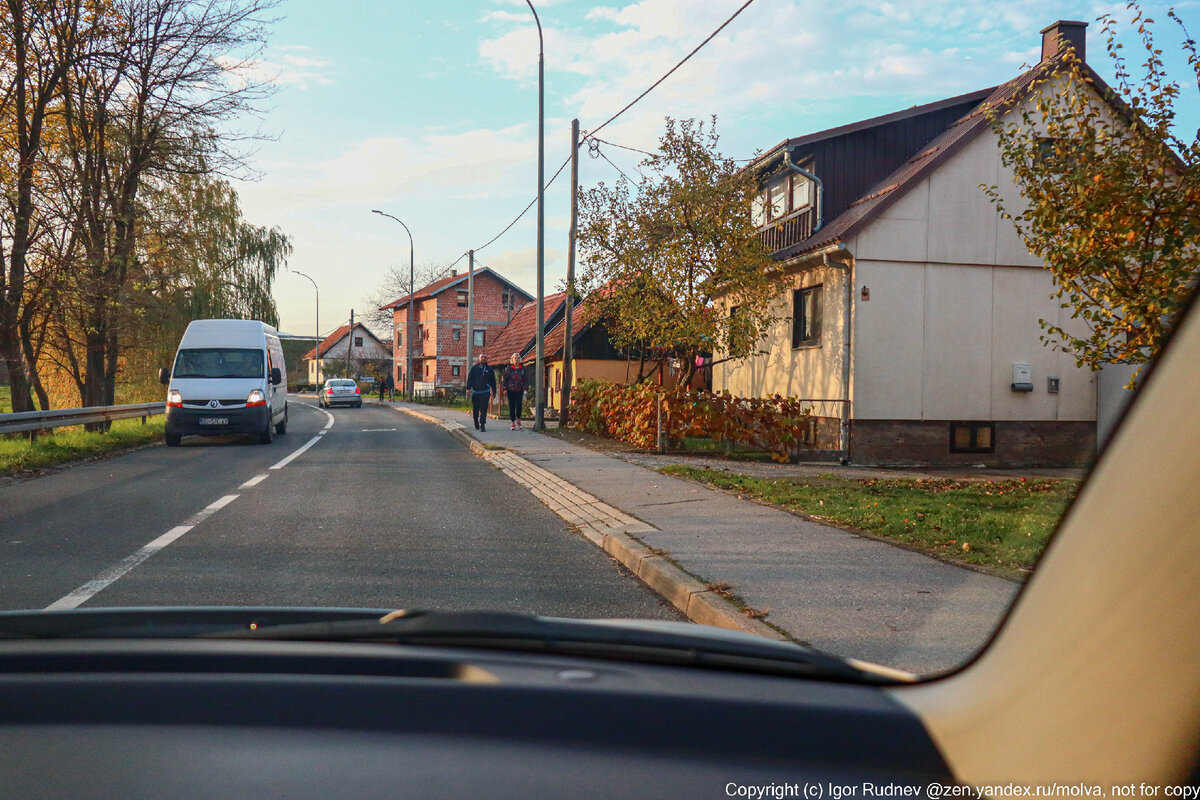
(340, 392)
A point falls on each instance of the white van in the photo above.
(228, 378)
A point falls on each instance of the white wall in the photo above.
(810, 372)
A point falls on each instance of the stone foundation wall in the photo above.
(1017, 444)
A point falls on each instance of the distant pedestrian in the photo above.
(515, 384)
(391, 387)
(481, 385)
(382, 388)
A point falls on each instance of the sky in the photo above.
(428, 110)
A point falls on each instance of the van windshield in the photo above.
(219, 362)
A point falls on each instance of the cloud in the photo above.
(288, 69)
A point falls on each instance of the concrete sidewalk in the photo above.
(837, 591)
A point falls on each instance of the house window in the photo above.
(806, 317)
(758, 212)
(462, 298)
(478, 339)
(506, 300)
(358, 341)
(426, 372)
(456, 370)
(972, 437)
(457, 334)
(801, 192)
(777, 197)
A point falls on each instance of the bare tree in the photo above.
(157, 105)
(40, 42)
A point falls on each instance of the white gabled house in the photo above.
(913, 311)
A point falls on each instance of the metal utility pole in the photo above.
(350, 346)
(539, 422)
(470, 310)
(412, 291)
(568, 371)
(317, 359)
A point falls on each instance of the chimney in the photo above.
(1062, 35)
(453, 273)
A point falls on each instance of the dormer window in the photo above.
(783, 194)
(777, 197)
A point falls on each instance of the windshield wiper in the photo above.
(673, 644)
(609, 639)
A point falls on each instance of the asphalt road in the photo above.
(381, 511)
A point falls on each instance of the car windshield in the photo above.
(803, 321)
(219, 362)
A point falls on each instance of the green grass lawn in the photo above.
(999, 524)
(73, 443)
(5, 400)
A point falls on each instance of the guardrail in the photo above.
(34, 421)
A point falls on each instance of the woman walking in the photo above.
(514, 384)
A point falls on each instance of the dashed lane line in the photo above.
(106, 578)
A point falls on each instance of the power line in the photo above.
(631, 104)
(600, 153)
(622, 146)
(711, 36)
(526, 209)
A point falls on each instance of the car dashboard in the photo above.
(185, 718)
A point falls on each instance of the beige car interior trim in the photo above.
(1094, 676)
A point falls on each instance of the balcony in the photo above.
(788, 231)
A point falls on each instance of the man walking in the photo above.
(481, 385)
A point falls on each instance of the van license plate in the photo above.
(214, 420)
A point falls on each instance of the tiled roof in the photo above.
(582, 317)
(894, 186)
(442, 284)
(341, 333)
(519, 333)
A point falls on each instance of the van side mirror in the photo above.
(276, 376)
(164, 377)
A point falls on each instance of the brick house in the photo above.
(440, 321)
(911, 316)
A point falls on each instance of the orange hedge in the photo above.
(630, 413)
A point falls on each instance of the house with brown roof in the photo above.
(358, 350)
(593, 355)
(910, 315)
(439, 339)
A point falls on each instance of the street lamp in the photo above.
(412, 291)
(317, 359)
(539, 399)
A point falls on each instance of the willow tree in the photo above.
(659, 255)
(1111, 197)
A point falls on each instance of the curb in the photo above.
(609, 529)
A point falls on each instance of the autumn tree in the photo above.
(1111, 197)
(158, 105)
(657, 255)
(39, 42)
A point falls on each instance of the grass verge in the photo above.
(73, 443)
(1000, 525)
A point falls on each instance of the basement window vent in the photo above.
(972, 437)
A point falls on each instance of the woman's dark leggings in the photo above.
(514, 405)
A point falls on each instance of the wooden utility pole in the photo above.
(568, 370)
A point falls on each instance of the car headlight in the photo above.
(174, 398)
(256, 398)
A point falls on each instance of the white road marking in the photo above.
(97, 584)
(109, 576)
(297, 453)
(377, 430)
